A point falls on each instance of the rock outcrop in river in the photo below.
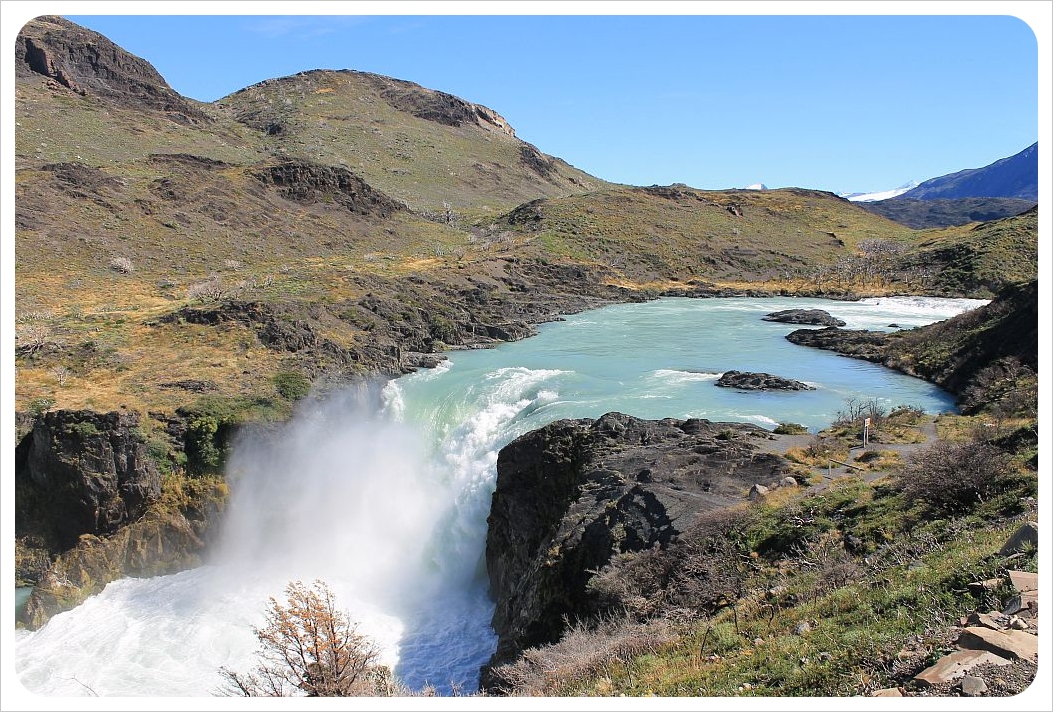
(747, 381)
(816, 317)
(574, 493)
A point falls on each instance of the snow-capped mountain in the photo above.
(881, 195)
(757, 186)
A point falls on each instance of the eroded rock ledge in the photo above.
(574, 493)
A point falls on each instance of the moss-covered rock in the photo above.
(169, 538)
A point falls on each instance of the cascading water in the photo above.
(383, 493)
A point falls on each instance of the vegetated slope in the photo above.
(1012, 177)
(980, 259)
(662, 234)
(947, 212)
(428, 148)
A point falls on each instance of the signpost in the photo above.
(866, 432)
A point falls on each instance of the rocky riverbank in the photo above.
(574, 493)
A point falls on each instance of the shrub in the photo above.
(584, 652)
(39, 406)
(84, 430)
(30, 338)
(952, 475)
(790, 429)
(211, 288)
(161, 453)
(207, 437)
(292, 385)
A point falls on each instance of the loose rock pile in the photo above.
(988, 645)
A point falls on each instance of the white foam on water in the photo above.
(674, 376)
(755, 418)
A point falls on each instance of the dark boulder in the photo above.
(574, 493)
(815, 317)
(746, 381)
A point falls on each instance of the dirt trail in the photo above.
(780, 444)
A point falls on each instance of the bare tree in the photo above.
(310, 648)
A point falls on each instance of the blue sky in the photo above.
(840, 103)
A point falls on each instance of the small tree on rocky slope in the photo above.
(309, 648)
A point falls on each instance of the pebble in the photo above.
(973, 686)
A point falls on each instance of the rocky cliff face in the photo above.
(571, 495)
(162, 542)
(83, 472)
(89, 64)
(89, 509)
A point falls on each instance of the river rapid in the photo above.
(383, 492)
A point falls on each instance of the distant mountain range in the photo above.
(1007, 187)
(1013, 177)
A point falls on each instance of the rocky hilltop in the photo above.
(88, 64)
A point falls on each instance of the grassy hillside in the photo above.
(659, 234)
(425, 147)
(982, 258)
(814, 619)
